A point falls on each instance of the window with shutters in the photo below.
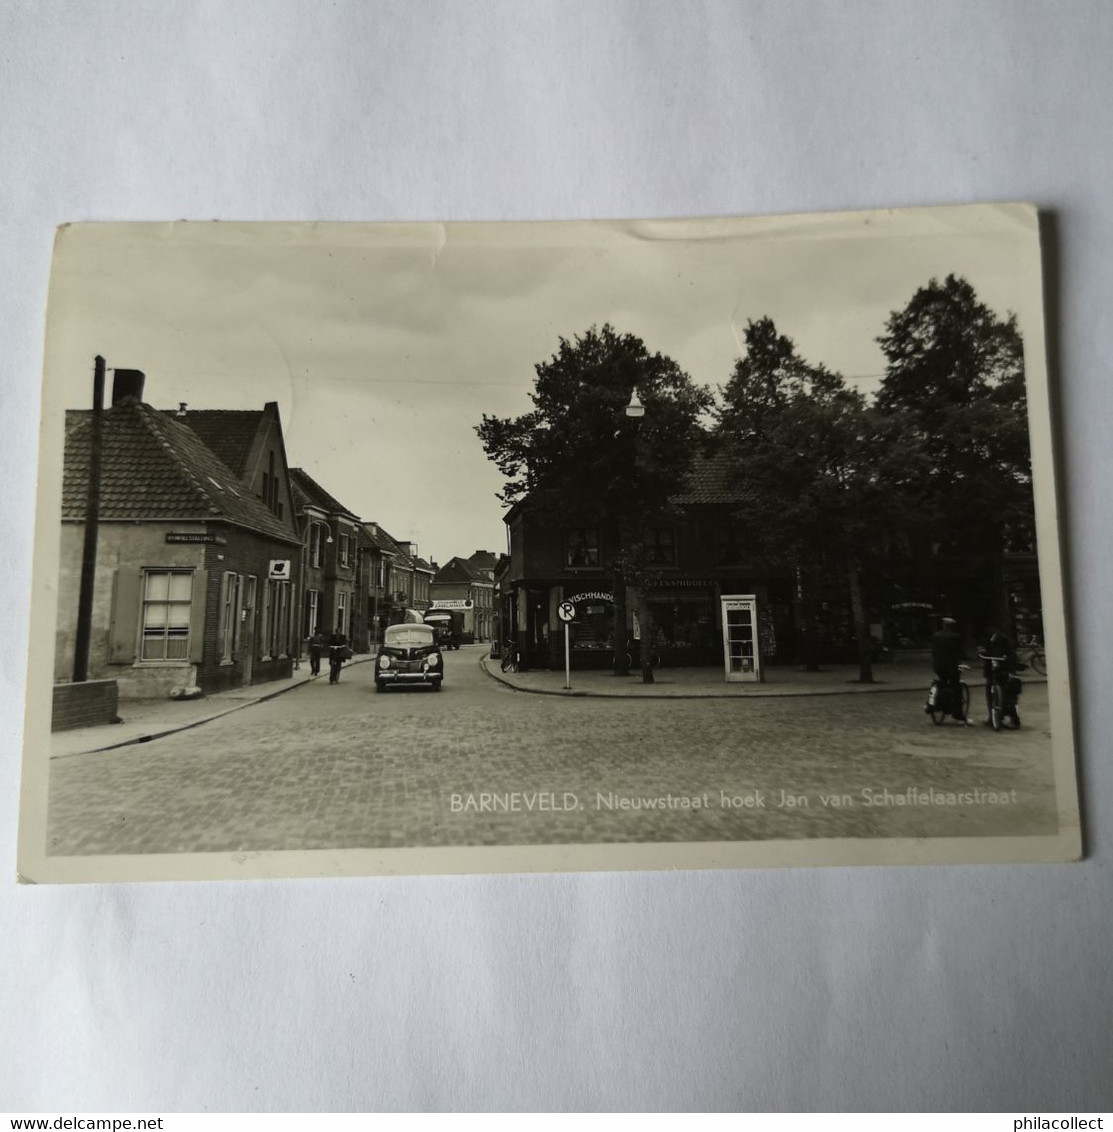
(167, 600)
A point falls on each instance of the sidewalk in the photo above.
(144, 720)
(912, 675)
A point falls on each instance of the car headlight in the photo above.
(384, 661)
(432, 661)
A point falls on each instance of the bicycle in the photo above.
(1001, 692)
(941, 699)
(1033, 656)
(634, 661)
(510, 658)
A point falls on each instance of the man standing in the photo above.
(316, 646)
(337, 649)
(946, 655)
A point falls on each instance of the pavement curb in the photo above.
(151, 736)
(834, 690)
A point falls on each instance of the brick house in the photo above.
(196, 549)
(332, 536)
(465, 588)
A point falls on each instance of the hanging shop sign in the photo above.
(279, 570)
(453, 603)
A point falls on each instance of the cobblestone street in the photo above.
(479, 764)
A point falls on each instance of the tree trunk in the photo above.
(805, 615)
(861, 628)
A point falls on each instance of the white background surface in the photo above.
(936, 988)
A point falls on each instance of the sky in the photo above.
(385, 344)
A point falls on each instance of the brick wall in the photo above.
(84, 705)
(245, 553)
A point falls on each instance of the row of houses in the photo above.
(215, 560)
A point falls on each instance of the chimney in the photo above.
(182, 406)
(127, 383)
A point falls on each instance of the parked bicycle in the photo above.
(511, 659)
(1031, 653)
(634, 660)
(945, 699)
(1001, 692)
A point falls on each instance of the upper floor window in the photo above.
(316, 543)
(581, 547)
(728, 547)
(344, 552)
(662, 546)
(271, 486)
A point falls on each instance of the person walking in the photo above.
(947, 654)
(316, 647)
(337, 652)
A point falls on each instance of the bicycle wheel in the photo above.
(509, 662)
(1038, 661)
(996, 707)
(937, 714)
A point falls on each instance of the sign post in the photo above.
(566, 611)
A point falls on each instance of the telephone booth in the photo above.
(741, 638)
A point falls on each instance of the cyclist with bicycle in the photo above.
(1000, 665)
(947, 654)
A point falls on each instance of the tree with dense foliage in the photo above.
(955, 381)
(810, 463)
(577, 456)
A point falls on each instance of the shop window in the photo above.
(582, 547)
(167, 600)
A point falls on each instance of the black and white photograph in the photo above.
(547, 546)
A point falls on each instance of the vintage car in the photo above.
(409, 655)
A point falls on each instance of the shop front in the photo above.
(685, 623)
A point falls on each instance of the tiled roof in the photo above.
(708, 481)
(230, 433)
(395, 547)
(459, 570)
(308, 490)
(484, 560)
(379, 539)
(154, 467)
(421, 564)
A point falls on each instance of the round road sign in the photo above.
(566, 611)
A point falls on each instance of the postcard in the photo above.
(467, 548)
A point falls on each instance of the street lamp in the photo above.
(635, 410)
